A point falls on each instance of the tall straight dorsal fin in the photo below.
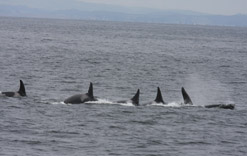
(135, 99)
(90, 90)
(22, 90)
(159, 98)
(186, 97)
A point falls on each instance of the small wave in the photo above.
(30, 142)
(193, 142)
(46, 40)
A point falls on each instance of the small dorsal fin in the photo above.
(135, 99)
(90, 90)
(186, 97)
(159, 98)
(22, 90)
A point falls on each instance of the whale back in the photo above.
(75, 99)
(82, 98)
(8, 94)
(20, 92)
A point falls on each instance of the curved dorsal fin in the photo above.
(159, 98)
(90, 90)
(186, 97)
(22, 90)
(135, 99)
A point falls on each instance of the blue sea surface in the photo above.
(59, 58)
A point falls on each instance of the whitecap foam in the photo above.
(170, 104)
(58, 103)
(125, 104)
(101, 101)
(174, 104)
(106, 101)
(55, 102)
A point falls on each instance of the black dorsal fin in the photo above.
(135, 99)
(22, 90)
(186, 97)
(90, 90)
(159, 98)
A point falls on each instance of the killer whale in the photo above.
(21, 92)
(82, 98)
(134, 100)
(187, 100)
(159, 98)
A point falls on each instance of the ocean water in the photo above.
(59, 58)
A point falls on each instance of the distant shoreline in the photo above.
(95, 20)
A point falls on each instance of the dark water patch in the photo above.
(61, 133)
(29, 142)
(198, 143)
(117, 127)
(238, 82)
(68, 81)
(146, 122)
(46, 40)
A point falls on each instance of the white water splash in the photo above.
(125, 104)
(170, 104)
(106, 101)
(206, 90)
(129, 104)
(58, 103)
(101, 101)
